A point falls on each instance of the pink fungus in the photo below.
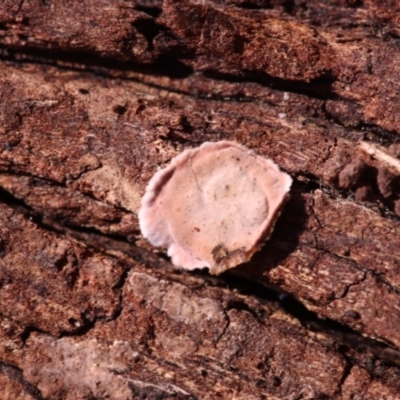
(213, 206)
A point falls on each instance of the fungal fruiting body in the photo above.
(213, 206)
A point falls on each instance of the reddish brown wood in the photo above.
(96, 96)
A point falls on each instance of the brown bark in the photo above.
(96, 96)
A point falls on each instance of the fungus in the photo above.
(213, 206)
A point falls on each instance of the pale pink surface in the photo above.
(220, 194)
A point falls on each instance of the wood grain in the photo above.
(97, 96)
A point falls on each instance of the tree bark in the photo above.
(96, 96)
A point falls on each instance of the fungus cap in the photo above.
(213, 206)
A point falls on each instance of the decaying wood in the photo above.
(95, 96)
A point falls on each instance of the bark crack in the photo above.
(16, 374)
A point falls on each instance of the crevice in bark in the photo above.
(353, 284)
(165, 65)
(21, 3)
(28, 330)
(87, 325)
(266, 293)
(241, 305)
(368, 132)
(320, 88)
(17, 374)
(47, 220)
(75, 60)
(342, 333)
(346, 371)
(20, 206)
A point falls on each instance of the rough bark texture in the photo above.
(95, 96)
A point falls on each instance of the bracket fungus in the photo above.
(213, 206)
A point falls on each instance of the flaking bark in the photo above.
(95, 97)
